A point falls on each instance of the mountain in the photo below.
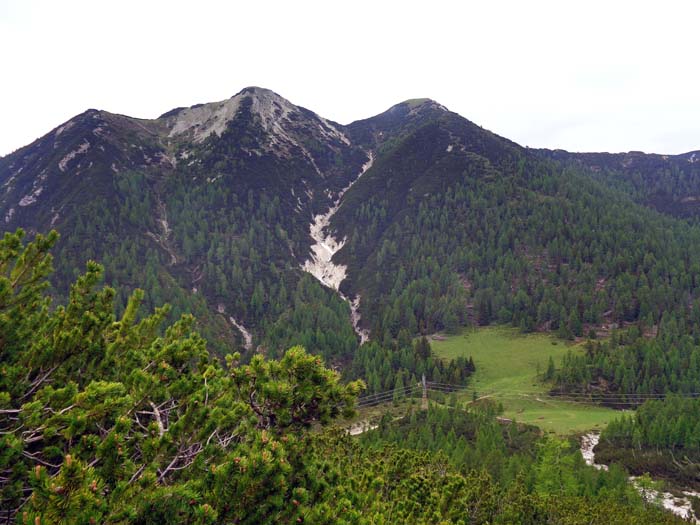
(451, 214)
(290, 149)
(166, 202)
(276, 226)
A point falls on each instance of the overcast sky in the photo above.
(583, 76)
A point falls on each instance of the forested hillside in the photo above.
(110, 414)
(668, 183)
(106, 418)
(210, 208)
(436, 222)
(453, 224)
(206, 207)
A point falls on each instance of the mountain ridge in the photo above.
(212, 207)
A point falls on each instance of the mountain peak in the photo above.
(258, 91)
(202, 120)
(279, 118)
(414, 107)
(418, 104)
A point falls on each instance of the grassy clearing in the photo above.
(507, 366)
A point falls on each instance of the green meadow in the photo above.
(509, 369)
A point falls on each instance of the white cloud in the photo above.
(587, 76)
